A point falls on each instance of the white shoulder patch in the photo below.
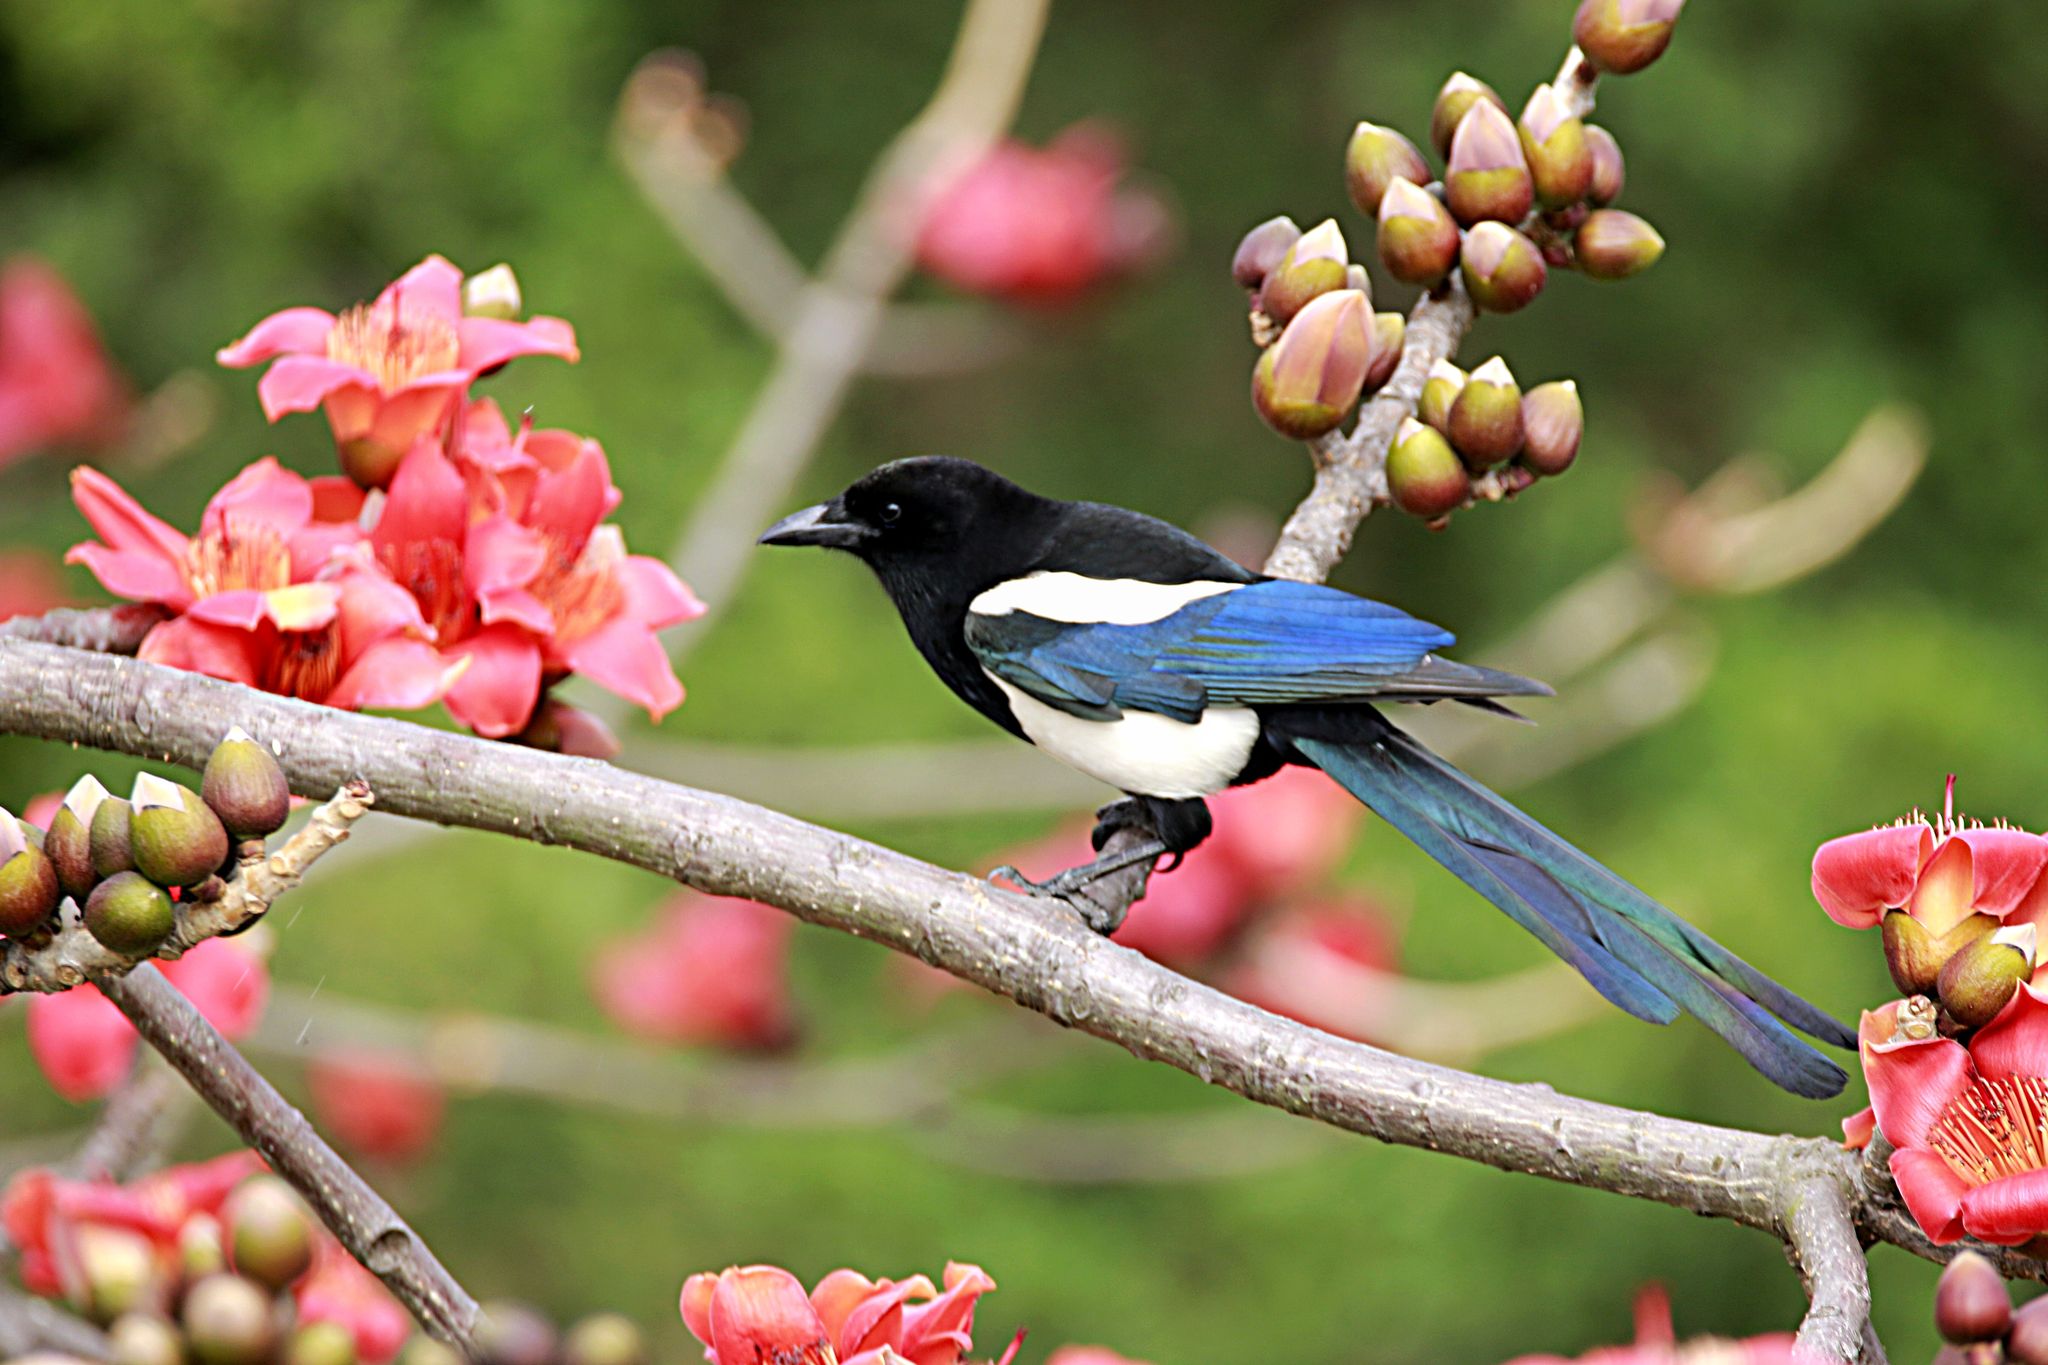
(1081, 600)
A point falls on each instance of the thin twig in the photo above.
(356, 1214)
(29, 1325)
(137, 1124)
(108, 630)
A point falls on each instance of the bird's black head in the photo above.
(915, 516)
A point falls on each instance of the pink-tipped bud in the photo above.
(1389, 334)
(29, 891)
(1439, 390)
(245, 786)
(1374, 159)
(1487, 176)
(1609, 171)
(1262, 250)
(1976, 983)
(1553, 424)
(1486, 418)
(1971, 1302)
(1555, 145)
(68, 842)
(174, 837)
(1621, 36)
(1613, 244)
(1425, 477)
(1418, 239)
(1503, 269)
(2027, 1341)
(1305, 383)
(1453, 102)
(1313, 266)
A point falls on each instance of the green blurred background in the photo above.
(1851, 194)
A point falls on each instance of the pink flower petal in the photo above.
(414, 411)
(82, 1043)
(1858, 1128)
(569, 502)
(216, 651)
(228, 983)
(1910, 1081)
(499, 553)
(2006, 1212)
(137, 575)
(427, 501)
(295, 331)
(301, 383)
(2016, 1042)
(623, 657)
(264, 494)
(433, 286)
(1857, 877)
(372, 608)
(336, 497)
(655, 597)
(515, 606)
(1933, 1193)
(495, 695)
(2006, 864)
(302, 606)
(492, 341)
(394, 674)
(121, 521)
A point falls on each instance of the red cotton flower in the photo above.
(57, 387)
(760, 1315)
(340, 1291)
(389, 371)
(381, 1105)
(711, 969)
(1326, 964)
(1657, 1344)
(1040, 226)
(30, 584)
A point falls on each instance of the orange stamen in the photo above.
(1995, 1129)
(393, 344)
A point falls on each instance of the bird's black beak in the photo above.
(815, 526)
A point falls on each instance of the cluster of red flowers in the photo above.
(454, 560)
(710, 969)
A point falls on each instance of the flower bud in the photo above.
(1425, 478)
(512, 1333)
(129, 913)
(1976, 983)
(174, 837)
(1453, 102)
(268, 1237)
(1441, 389)
(229, 1321)
(2027, 1342)
(1418, 240)
(245, 786)
(1613, 244)
(1503, 269)
(1609, 171)
(492, 293)
(560, 728)
(1262, 249)
(68, 842)
(144, 1339)
(1553, 423)
(1971, 1302)
(108, 837)
(1306, 381)
(1486, 417)
(424, 1350)
(1916, 957)
(199, 1248)
(1555, 145)
(1621, 36)
(1374, 159)
(1487, 176)
(118, 1272)
(320, 1343)
(28, 882)
(605, 1339)
(1312, 266)
(1389, 334)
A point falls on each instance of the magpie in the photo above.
(1130, 650)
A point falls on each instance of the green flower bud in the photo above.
(1486, 418)
(605, 1339)
(268, 1236)
(1312, 266)
(129, 913)
(1975, 984)
(28, 882)
(1425, 478)
(1389, 334)
(1621, 36)
(1306, 382)
(1418, 239)
(1453, 102)
(68, 841)
(1503, 269)
(423, 1350)
(513, 1333)
(320, 1343)
(1555, 145)
(1916, 957)
(1374, 159)
(199, 1248)
(1613, 244)
(109, 837)
(229, 1321)
(1609, 171)
(1971, 1302)
(492, 293)
(173, 836)
(144, 1339)
(245, 787)
(1553, 423)
(1262, 250)
(2027, 1342)
(1487, 176)
(118, 1272)
(1441, 389)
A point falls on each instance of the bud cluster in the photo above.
(125, 865)
(1973, 1312)
(1478, 436)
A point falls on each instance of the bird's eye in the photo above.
(891, 513)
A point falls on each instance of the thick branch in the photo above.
(356, 1214)
(1011, 944)
(1820, 1239)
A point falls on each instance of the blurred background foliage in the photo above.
(1851, 194)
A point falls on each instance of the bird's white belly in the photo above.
(1143, 753)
